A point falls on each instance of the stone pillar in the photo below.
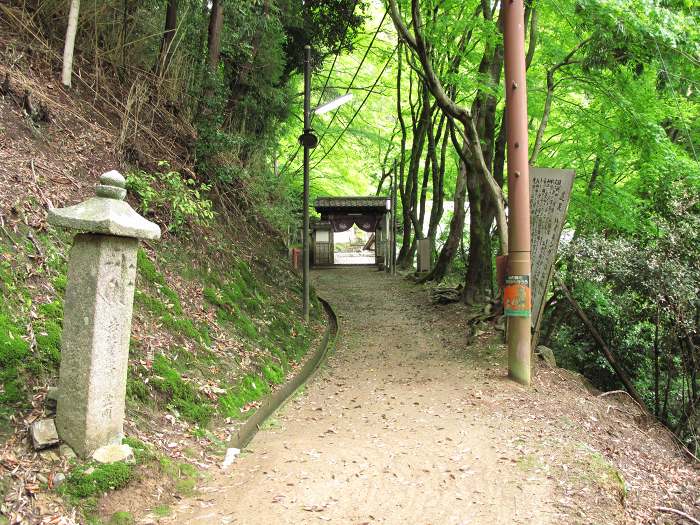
(97, 315)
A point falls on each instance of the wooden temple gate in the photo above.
(339, 214)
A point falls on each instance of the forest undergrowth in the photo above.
(217, 321)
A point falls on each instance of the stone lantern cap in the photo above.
(107, 213)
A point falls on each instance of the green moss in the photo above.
(281, 357)
(142, 451)
(251, 388)
(20, 367)
(136, 389)
(246, 275)
(237, 300)
(172, 299)
(186, 360)
(185, 475)
(147, 270)
(168, 314)
(186, 487)
(162, 511)
(169, 467)
(122, 518)
(59, 283)
(188, 328)
(168, 301)
(14, 350)
(52, 310)
(273, 373)
(181, 395)
(86, 480)
(48, 332)
(230, 307)
(213, 296)
(246, 326)
(12, 347)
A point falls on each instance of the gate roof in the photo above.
(351, 205)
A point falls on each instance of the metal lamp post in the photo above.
(393, 220)
(309, 141)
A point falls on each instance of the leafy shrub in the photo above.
(177, 199)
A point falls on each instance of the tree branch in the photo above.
(568, 59)
(619, 371)
(452, 109)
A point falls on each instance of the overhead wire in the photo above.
(335, 59)
(357, 111)
(357, 72)
(325, 84)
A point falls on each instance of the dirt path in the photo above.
(384, 434)
(409, 424)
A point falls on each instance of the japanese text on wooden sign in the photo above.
(550, 190)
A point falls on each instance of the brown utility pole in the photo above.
(517, 297)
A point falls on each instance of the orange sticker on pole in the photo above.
(517, 301)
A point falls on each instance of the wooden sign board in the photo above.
(550, 191)
(424, 255)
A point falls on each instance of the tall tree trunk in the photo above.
(479, 273)
(423, 196)
(657, 399)
(402, 151)
(438, 183)
(166, 45)
(499, 154)
(449, 249)
(421, 121)
(418, 44)
(69, 46)
(478, 279)
(216, 22)
(430, 167)
(419, 138)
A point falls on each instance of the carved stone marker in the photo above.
(550, 190)
(97, 315)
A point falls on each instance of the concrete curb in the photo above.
(274, 401)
